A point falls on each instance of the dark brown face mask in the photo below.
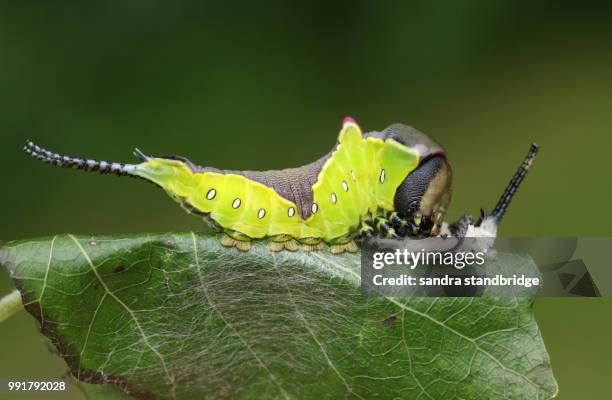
(424, 194)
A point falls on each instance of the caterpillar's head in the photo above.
(423, 197)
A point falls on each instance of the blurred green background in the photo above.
(247, 86)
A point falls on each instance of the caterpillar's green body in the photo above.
(358, 178)
(365, 180)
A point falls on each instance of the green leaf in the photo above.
(101, 391)
(179, 316)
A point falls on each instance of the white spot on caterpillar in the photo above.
(261, 213)
(353, 175)
(291, 212)
(236, 203)
(345, 186)
(314, 208)
(382, 176)
(334, 199)
(211, 194)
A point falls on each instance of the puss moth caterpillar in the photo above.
(395, 182)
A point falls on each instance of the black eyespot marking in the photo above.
(236, 203)
(261, 213)
(211, 194)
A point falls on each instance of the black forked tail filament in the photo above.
(61, 160)
(506, 197)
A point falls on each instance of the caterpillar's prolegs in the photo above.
(236, 239)
(350, 247)
(283, 242)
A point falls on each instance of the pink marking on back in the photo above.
(349, 120)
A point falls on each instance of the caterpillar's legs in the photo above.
(281, 242)
(236, 239)
(417, 224)
(402, 227)
(342, 244)
(384, 227)
(366, 230)
(311, 244)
